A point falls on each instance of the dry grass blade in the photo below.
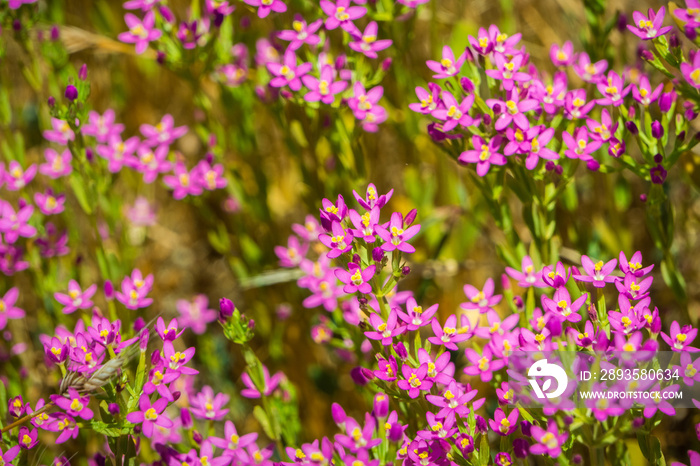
(76, 40)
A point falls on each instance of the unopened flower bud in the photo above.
(658, 158)
(657, 129)
(82, 73)
(632, 127)
(339, 415)
(186, 418)
(197, 437)
(109, 290)
(486, 118)
(519, 303)
(593, 165)
(549, 166)
(137, 429)
(481, 425)
(55, 34)
(143, 340)
(520, 448)
(356, 259)
(155, 357)
(358, 376)
(226, 308)
(690, 32)
(386, 64)
(377, 254)
(138, 324)
(622, 22)
(99, 458)
(467, 85)
(160, 57)
(405, 270)
(16, 25)
(71, 92)
(381, 405)
(113, 409)
(673, 41)
(176, 395)
(52, 101)
(646, 55)
(577, 459)
(558, 169)
(525, 428)
(401, 351)
(410, 217)
(89, 154)
(637, 422)
(643, 197)
(251, 324)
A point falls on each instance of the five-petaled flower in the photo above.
(150, 415)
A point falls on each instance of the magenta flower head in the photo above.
(562, 56)
(356, 278)
(342, 14)
(71, 92)
(140, 32)
(269, 384)
(395, 236)
(76, 297)
(613, 90)
(301, 33)
(8, 310)
(75, 405)
(57, 165)
(288, 73)
(503, 425)
(454, 113)
(266, 6)
(384, 331)
(528, 276)
(26, 438)
(368, 44)
(150, 415)
(484, 154)
(16, 177)
(10, 454)
(649, 27)
(339, 240)
(549, 441)
(206, 405)
(415, 380)
(323, 89)
(597, 273)
(680, 338)
(448, 65)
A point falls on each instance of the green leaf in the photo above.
(110, 430)
(260, 415)
(484, 453)
(3, 401)
(79, 191)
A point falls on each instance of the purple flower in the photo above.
(64, 424)
(60, 133)
(575, 105)
(634, 265)
(415, 316)
(150, 415)
(538, 139)
(301, 33)
(642, 92)
(507, 70)
(527, 277)
(384, 331)
(209, 177)
(649, 27)
(339, 240)
(206, 405)
(117, 152)
(356, 278)
(561, 305)
(454, 113)
(448, 66)
(266, 6)
(10, 454)
(288, 73)
(56, 165)
(102, 127)
(368, 44)
(140, 32)
(658, 174)
(196, 314)
(482, 365)
(232, 442)
(549, 441)
(414, 380)
(164, 132)
(562, 56)
(482, 44)
(395, 236)
(680, 338)
(27, 439)
(150, 162)
(182, 182)
(48, 203)
(269, 384)
(513, 110)
(589, 72)
(76, 297)
(342, 14)
(8, 310)
(74, 405)
(176, 360)
(14, 224)
(134, 289)
(448, 335)
(364, 101)
(429, 100)
(323, 89)
(613, 90)
(364, 224)
(170, 333)
(604, 130)
(502, 424)
(597, 273)
(16, 177)
(484, 154)
(578, 146)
